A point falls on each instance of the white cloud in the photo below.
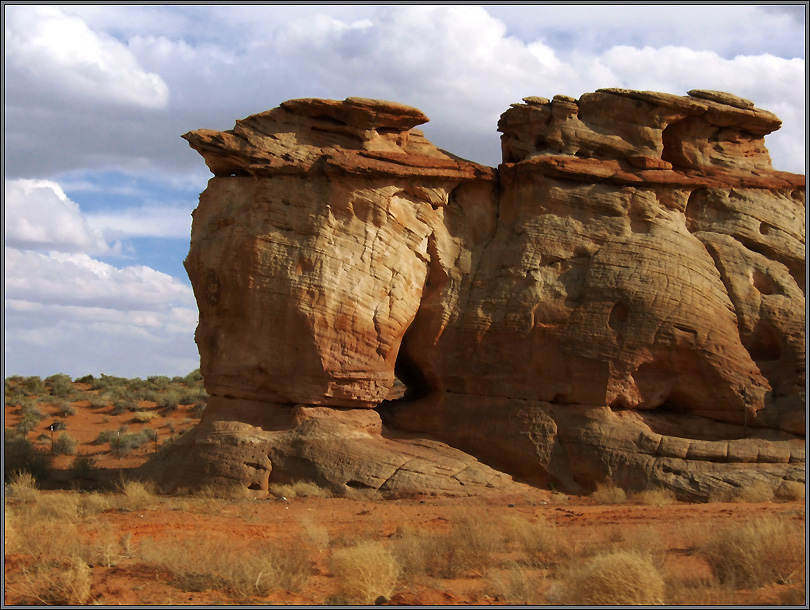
(42, 339)
(39, 215)
(77, 279)
(772, 83)
(143, 221)
(71, 313)
(62, 55)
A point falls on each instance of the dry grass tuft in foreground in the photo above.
(366, 571)
(609, 494)
(215, 565)
(762, 552)
(619, 578)
(63, 583)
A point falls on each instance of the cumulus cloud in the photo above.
(78, 279)
(72, 313)
(68, 311)
(60, 54)
(39, 215)
(461, 65)
(87, 91)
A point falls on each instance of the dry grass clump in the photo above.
(758, 492)
(515, 584)
(366, 571)
(609, 494)
(216, 565)
(23, 487)
(535, 541)
(758, 553)
(223, 491)
(64, 583)
(698, 591)
(645, 541)
(144, 416)
(299, 489)
(791, 490)
(619, 578)
(136, 495)
(653, 497)
(470, 546)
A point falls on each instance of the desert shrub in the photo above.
(193, 378)
(33, 385)
(31, 416)
(60, 582)
(136, 495)
(121, 405)
(86, 379)
(645, 541)
(299, 489)
(23, 486)
(365, 571)
(758, 492)
(619, 578)
(20, 455)
(609, 493)
(791, 490)
(106, 436)
(65, 408)
(122, 443)
(60, 385)
(169, 399)
(470, 546)
(692, 590)
(513, 583)
(216, 565)
(758, 553)
(159, 382)
(653, 497)
(223, 491)
(144, 416)
(99, 401)
(189, 398)
(198, 409)
(64, 444)
(535, 541)
(84, 468)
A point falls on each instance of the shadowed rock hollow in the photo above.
(622, 299)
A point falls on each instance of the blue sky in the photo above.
(99, 186)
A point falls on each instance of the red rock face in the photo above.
(622, 299)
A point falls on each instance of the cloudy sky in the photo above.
(99, 186)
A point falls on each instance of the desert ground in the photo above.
(80, 529)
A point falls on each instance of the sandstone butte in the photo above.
(622, 300)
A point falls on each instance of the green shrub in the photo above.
(105, 436)
(194, 377)
(61, 386)
(64, 444)
(20, 455)
(122, 405)
(65, 409)
(84, 468)
(33, 385)
(31, 416)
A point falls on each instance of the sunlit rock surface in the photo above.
(622, 299)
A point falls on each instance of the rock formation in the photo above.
(622, 299)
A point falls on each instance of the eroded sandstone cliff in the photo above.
(623, 298)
